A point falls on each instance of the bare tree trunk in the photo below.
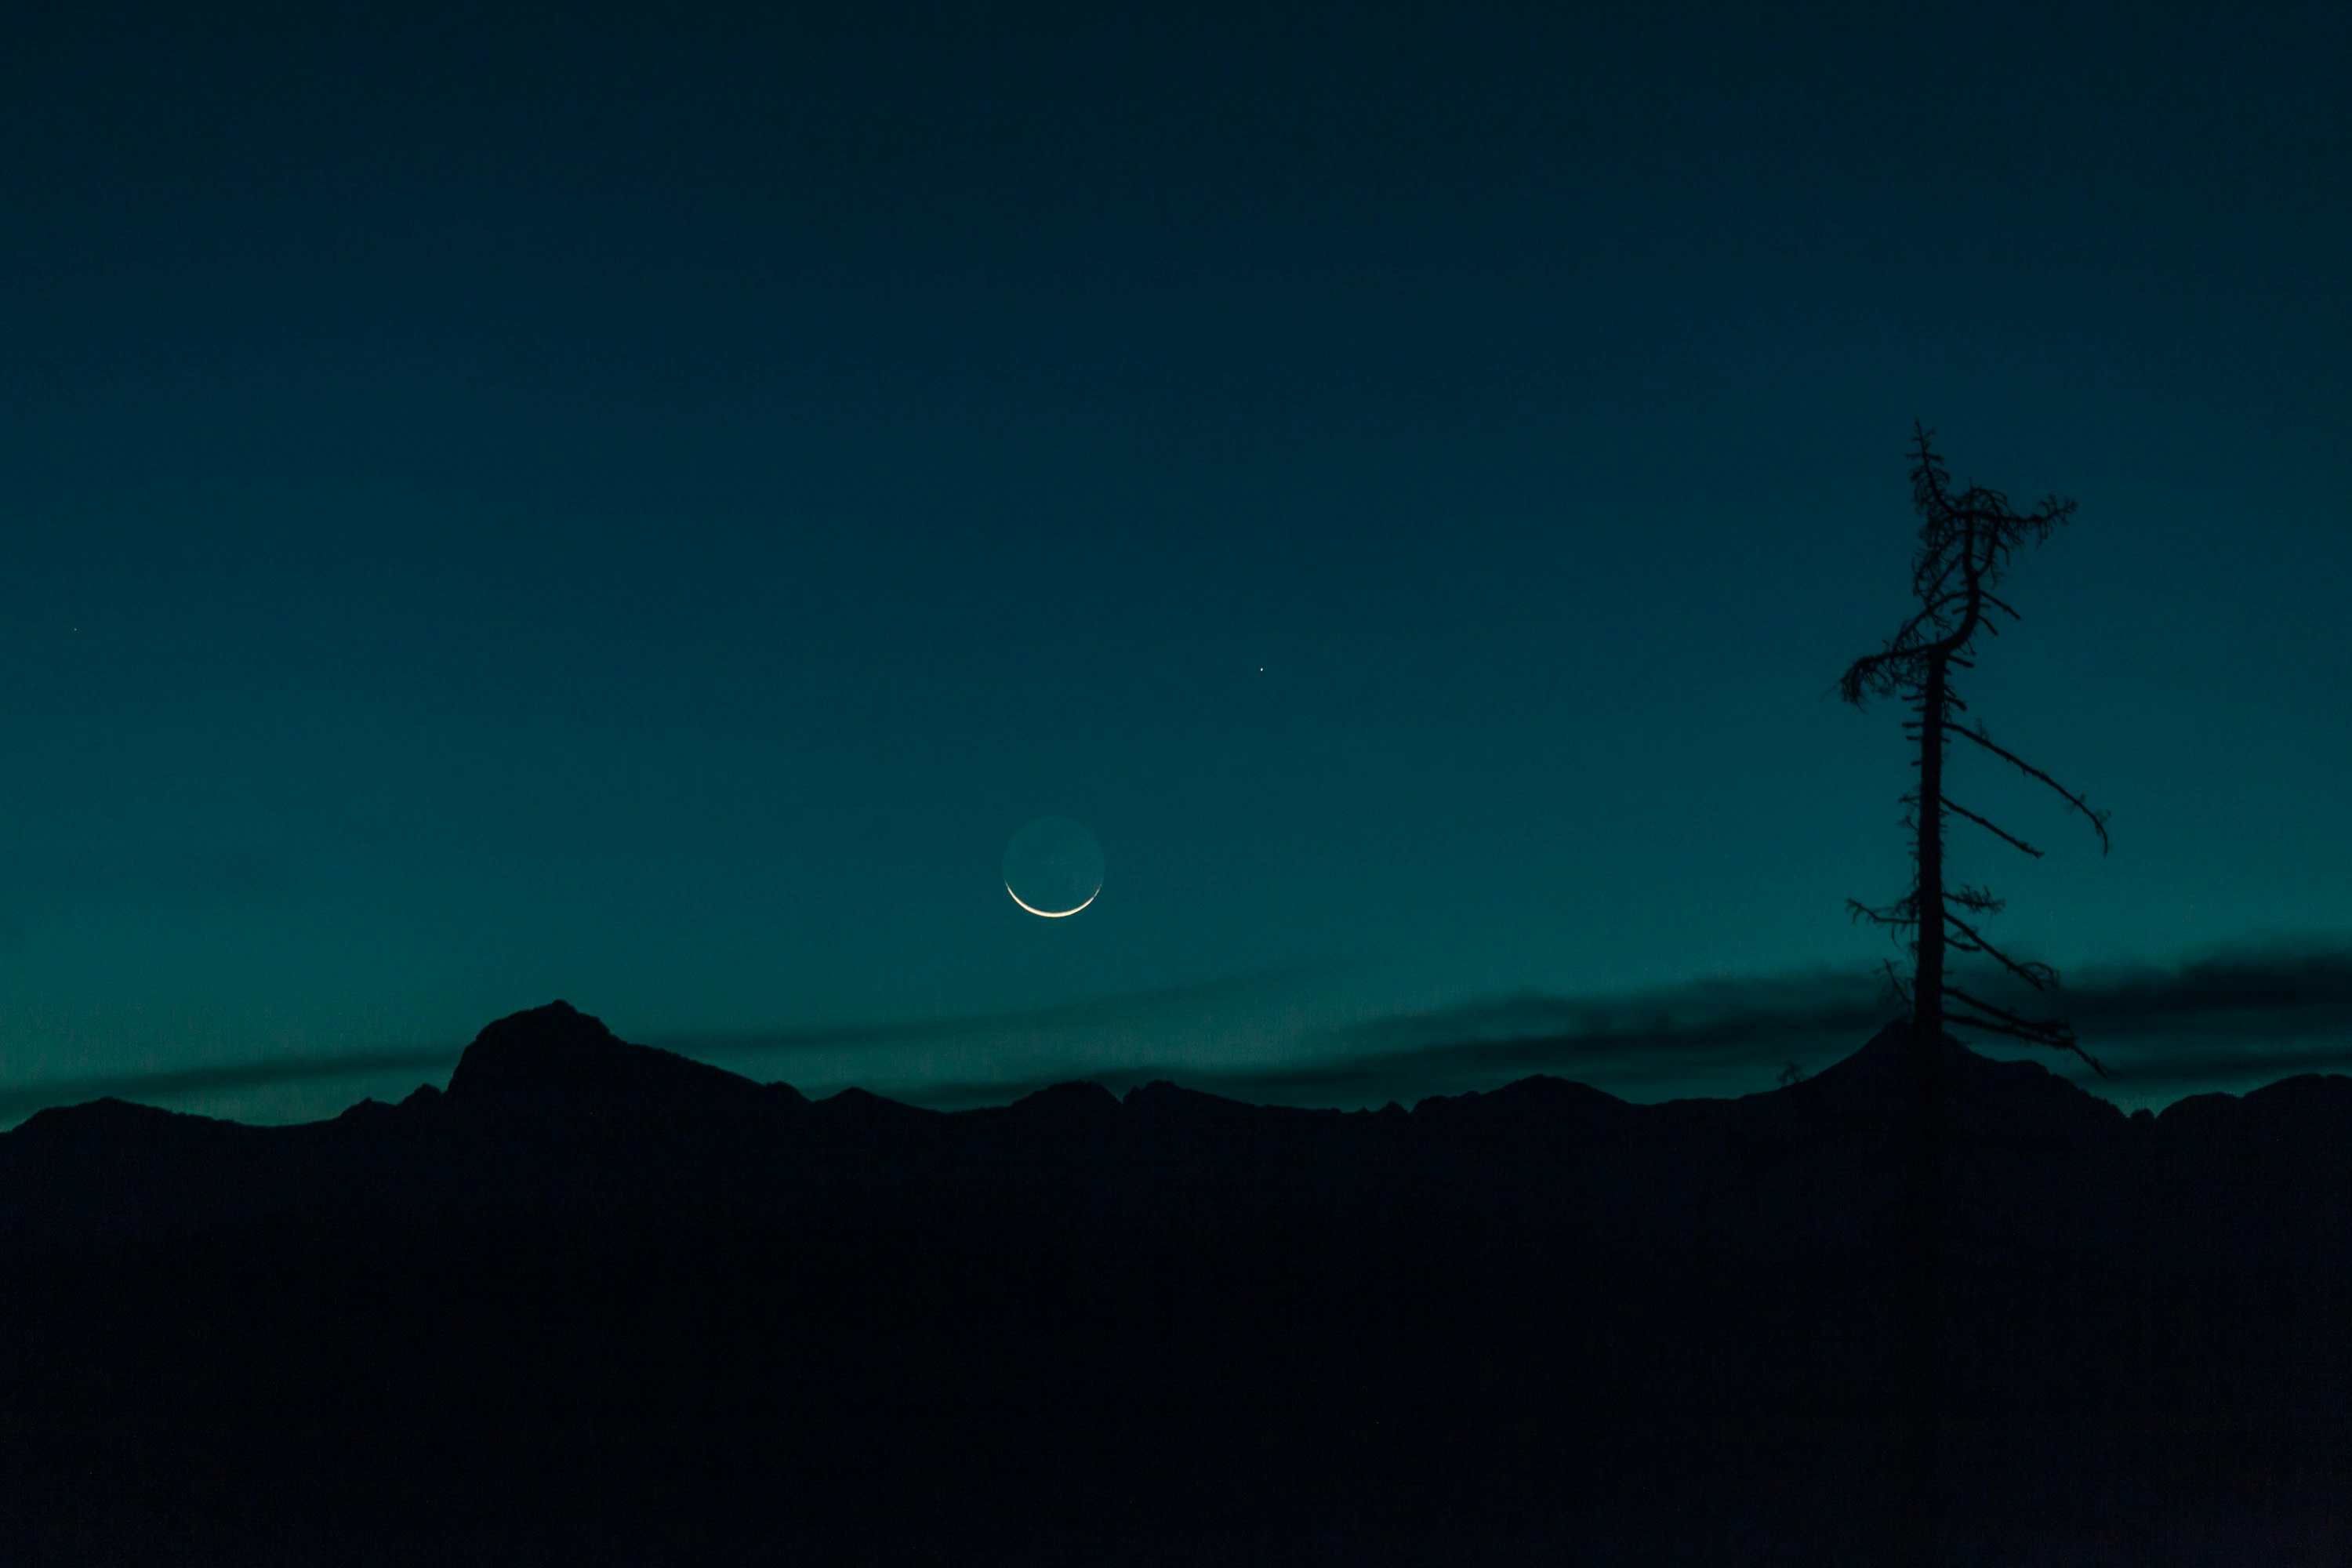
(1921, 1302)
(1967, 539)
(1927, 985)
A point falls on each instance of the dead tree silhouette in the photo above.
(1968, 537)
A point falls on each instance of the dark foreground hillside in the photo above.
(596, 1300)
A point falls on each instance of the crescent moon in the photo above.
(1053, 914)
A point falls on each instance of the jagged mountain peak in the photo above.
(1883, 1065)
(559, 1052)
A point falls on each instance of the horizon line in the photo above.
(2233, 1011)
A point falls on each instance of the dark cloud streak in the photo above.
(2289, 991)
(1096, 1012)
(2225, 1016)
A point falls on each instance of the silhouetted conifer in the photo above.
(1967, 540)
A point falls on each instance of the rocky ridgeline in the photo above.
(548, 1113)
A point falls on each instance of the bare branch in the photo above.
(2051, 1031)
(2098, 819)
(1976, 900)
(2039, 975)
(2000, 1020)
(1869, 676)
(1902, 912)
(2001, 833)
(2048, 1031)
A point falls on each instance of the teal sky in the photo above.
(641, 513)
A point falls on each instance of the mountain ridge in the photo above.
(548, 1111)
(593, 1297)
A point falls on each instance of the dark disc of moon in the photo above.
(1053, 867)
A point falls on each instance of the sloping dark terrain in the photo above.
(596, 1300)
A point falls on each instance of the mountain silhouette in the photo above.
(555, 1057)
(595, 1297)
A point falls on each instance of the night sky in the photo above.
(635, 508)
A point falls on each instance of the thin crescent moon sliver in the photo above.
(1053, 914)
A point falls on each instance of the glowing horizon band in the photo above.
(1053, 914)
